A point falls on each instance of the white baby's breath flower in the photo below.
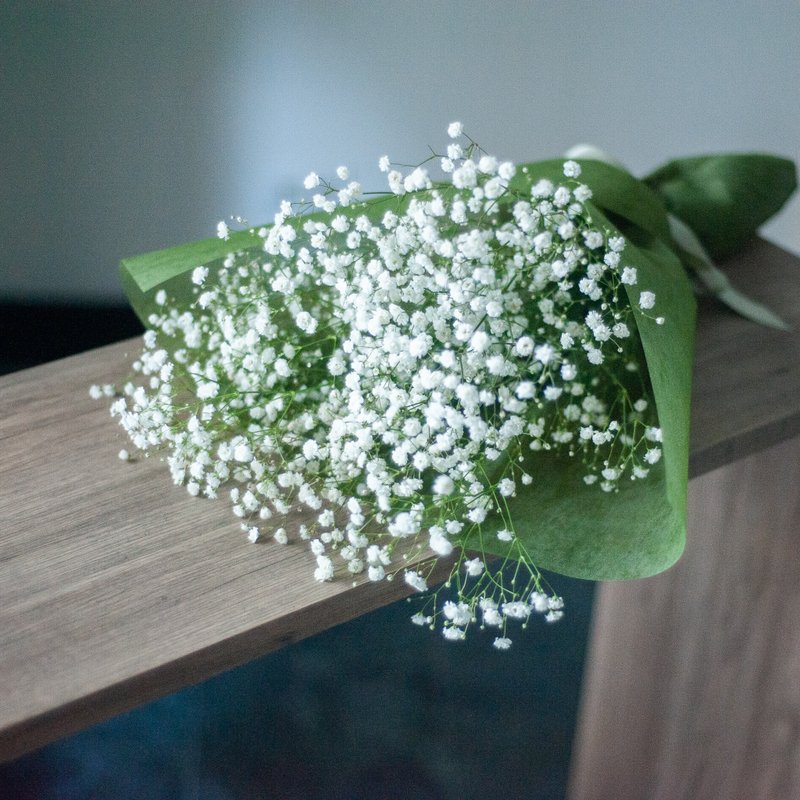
(647, 300)
(455, 129)
(280, 536)
(488, 165)
(324, 570)
(507, 170)
(415, 580)
(443, 485)
(382, 372)
(465, 176)
(516, 609)
(653, 434)
(440, 544)
(395, 180)
(474, 567)
(653, 455)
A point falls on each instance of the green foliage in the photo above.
(724, 199)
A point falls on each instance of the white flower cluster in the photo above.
(384, 368)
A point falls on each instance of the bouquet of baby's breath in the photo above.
(489, 368)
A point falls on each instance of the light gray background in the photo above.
(133, 126)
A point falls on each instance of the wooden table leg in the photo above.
(692, 686)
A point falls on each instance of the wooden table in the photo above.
(692, 684)
(117, 588)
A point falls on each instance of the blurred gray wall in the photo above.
(132, 126)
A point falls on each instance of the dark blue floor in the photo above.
(375, 708)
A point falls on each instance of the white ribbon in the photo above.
(713, 279)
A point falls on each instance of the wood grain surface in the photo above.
(692, 685)
(692, 682)
(746, 384)
(117, 587)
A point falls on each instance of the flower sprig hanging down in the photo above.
(384, 367)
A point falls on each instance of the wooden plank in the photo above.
(117, 587)
(692, 686)
(746, 392)
(692, 683)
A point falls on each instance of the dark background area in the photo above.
(372, 709)
(35, 333)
